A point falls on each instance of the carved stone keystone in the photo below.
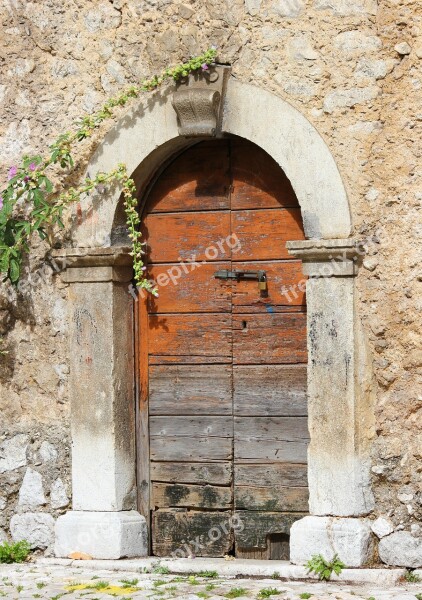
(198, 103)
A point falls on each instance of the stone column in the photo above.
(103, 522)
(340, 404)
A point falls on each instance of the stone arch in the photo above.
(144, 138)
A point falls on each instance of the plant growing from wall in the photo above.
(31, 205)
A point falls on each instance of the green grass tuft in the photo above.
(14, 553)
(236, 592)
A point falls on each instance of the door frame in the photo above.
(340, 378)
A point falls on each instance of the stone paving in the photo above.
(82, 582)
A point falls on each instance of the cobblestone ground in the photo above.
(33, 581)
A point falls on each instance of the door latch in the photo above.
(260, 276)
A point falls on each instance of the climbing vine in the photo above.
(31, 204)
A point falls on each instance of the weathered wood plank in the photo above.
(199, 179)
(275, 498)
(273, 474)
(258, 181)
(210, 473)
(286, 286)
(190, 338)
(187, 236)
(182, 533)
(189, 426)
(286, 429)
(192, 389)
(270, 390)
(264, 451)
(258, 525)
(268, 439)
(273, 338)
(186, 288)
(263, 233)
(188, 449)
(167, 495)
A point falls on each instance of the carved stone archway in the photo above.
(104, 521)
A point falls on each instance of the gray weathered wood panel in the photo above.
(190, 389)
(168, 495)
(270, 390)
(211, 473)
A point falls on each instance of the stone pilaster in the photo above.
(339, 405)
(102, 407)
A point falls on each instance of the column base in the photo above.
(351, 539)
(107, 535)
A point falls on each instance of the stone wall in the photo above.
(352, 67)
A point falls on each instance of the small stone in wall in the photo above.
(287, 8)
(47, 452)
(382, 527)
(58, 496)
(356, 42)
(299, 48)
(349, 98)
(13, 453)
(3, 536)
(401, 549)
(2, 503)
(403, 48)
(31, 494)
(36, 528)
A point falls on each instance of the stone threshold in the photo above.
(238, 568)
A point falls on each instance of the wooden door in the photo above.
(222, 364)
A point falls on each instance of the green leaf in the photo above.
(14, 270)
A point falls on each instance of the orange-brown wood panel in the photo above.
(263, 233)
(195, 236)
(198, 179)
(258, 182)
(192, 338)
(189, 289)
(286, 287)
(272, 338)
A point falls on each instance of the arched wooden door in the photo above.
(222, 361)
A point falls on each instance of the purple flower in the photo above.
(12, 171)
(205, 67)
(1, 202)
(26, 179)
(32, 167)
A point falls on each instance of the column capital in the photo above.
(328, 258)
(95, 264)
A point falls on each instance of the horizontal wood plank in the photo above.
(190, 389)
(275, 498)
(205, 473)
(190, 338)
(263, 451)
(277, 390)
(187, 236)
(189, 426)
(286, 429)
(274, 338)
(257, 526)
(198, 179)
(273, 474)
(286, 286)
(188, 533)
(188, 449)
(167, 495)
(263, 233)
(187, 288)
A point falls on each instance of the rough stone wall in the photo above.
(352, 67)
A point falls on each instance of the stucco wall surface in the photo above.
(352, 67)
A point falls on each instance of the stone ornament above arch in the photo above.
(148, 135)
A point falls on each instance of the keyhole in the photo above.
(244, 324)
